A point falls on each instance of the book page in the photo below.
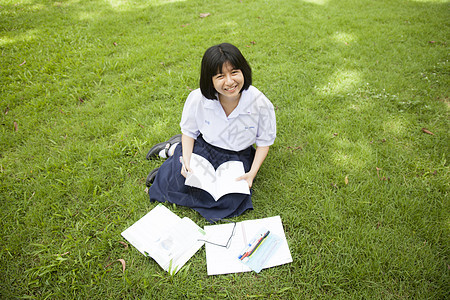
(217, 182)
(226, 179)
(180, 244)
(142, 234)
(168, 239)
(203, 175)
(220, 260)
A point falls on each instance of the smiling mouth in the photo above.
(231, 88)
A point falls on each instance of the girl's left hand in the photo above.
(247, 177)
(260, 155)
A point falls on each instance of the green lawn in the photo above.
(359, 172)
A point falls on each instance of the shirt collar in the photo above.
(244, 107)
(211, 103)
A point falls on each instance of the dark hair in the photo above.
(212, 64)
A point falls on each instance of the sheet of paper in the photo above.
(220, 260)
(168, 239)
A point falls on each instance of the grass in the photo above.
(87, 87)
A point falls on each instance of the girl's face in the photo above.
(229, 82)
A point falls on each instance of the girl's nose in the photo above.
(228, 79)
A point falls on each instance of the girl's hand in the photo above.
(247, 177)
(185, 171)
(260, 156)
(185, 168)
(187, 144)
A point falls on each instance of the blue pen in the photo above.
(253, 246)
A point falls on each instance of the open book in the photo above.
(217, 182)
(170, 240)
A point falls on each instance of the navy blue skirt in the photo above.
(169, 186)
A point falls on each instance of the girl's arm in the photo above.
(260, 156)
(187, 144)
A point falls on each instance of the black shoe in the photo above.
(151, 177)
(154, 151)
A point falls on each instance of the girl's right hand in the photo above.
(185, 168)
(187, 144)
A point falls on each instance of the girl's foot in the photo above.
(155, 150)
(151, 177)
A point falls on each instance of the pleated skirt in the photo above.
(169, 186)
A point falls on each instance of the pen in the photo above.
(259, 243)
(247, 250)
(252, 247)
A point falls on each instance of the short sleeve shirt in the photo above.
(251, 122)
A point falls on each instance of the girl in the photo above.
(220, 121)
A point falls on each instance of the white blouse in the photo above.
(252, 121)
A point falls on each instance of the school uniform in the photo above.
(218, 138)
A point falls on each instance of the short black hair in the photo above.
(212, 64)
